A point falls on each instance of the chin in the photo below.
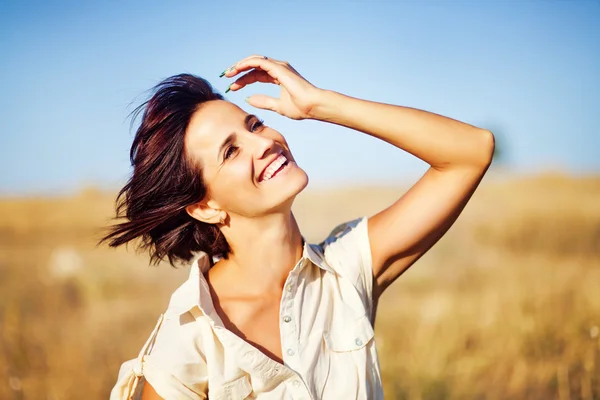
(284, 191)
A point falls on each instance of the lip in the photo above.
(274, 157)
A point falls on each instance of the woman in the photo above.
(265, 314)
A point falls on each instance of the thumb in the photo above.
(262, 101)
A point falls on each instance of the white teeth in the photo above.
(273, 167)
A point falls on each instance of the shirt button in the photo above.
(290, 352)
(296, 383)
(289, 287)
(287, 318)
(358, 342)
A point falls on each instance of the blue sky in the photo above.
(72, 71)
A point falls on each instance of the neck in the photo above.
(263, 251)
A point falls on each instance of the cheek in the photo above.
(238, 172)
(282, 140)
(284, 143)
(232, 185)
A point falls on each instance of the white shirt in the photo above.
(326, 325)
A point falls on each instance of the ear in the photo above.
(205, 213)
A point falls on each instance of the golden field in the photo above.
(505, 306)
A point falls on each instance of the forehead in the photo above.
(210, 125)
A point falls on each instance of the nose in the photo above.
(264, 146)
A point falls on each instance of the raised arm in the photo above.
(458, 154)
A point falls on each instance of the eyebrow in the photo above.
(231, 137)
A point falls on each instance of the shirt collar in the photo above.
(314, 253)
(195, 291)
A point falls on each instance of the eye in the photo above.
(230, 151)
(256, 124)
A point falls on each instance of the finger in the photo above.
(229, 72)
(256, 75)
(260, 56)
(264, 102)
(275, 70)
(272, 67)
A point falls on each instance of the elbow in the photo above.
(486, 146)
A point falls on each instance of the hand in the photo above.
(297, 97)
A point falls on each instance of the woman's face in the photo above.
(246, 166)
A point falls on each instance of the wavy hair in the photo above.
(165, 180)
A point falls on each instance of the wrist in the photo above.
(321, 108)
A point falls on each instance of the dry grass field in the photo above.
(505, 306)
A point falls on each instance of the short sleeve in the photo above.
(348, 251)
(175, 365)
(169, 363)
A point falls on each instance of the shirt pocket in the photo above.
(236, 389)
(347, 346)
(349, 336)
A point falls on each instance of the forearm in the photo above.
(439, 141)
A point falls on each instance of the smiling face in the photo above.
(247, 167)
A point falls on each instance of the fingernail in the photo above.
(232, 68)
(228, 88)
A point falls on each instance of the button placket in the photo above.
(287, 325)
(298, 388)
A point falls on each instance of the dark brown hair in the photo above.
(164, 179)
